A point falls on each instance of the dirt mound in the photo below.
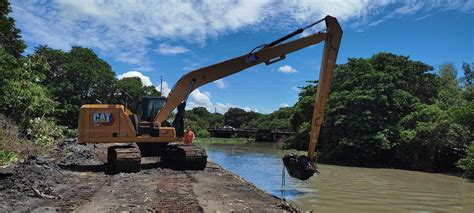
(40, 177)
(70, 153)
(36, 177)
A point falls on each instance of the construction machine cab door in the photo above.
(150, 106)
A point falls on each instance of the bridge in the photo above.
(259, 134)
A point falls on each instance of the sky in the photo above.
(154, 39)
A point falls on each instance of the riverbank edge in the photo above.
(284, 204)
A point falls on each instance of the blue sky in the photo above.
(150, 39)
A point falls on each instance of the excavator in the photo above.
(150, 136)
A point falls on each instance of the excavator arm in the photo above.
(268, 54)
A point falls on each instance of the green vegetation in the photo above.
(467, 163)
(10, 39)
(41, 93)
(390, 111)
(383, 111)
(131, 90)
(220, 140)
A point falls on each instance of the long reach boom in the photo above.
(268, 54)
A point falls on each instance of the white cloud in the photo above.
(166, 88)
(145, 79)
(284, 105)
(221, 84)
(295, 88)
(166, 49)
(203, 99)
(128, 31)
(286, 69)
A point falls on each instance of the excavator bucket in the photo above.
(300, 167)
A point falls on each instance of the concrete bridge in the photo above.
(259, 134)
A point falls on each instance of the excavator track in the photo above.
(124, 158)
(184, 157)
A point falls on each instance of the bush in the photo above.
(44, 132)
(431, 140)
(14, 147)
(202, 133)
(467, 163)
(7, 157)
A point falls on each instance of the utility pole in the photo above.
(161, 85)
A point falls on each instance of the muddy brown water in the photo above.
(346, 189)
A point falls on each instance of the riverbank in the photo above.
(205, 141)
(74, 179)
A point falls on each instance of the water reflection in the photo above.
(347, 189)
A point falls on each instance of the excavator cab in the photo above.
(150, 106)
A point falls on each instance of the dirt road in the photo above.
(75, 180)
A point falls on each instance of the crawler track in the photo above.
(184, 157)
(124, 158)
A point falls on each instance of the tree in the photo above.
(235, 117)
(431, 140)
(449, 93)
(10, 38)
(151, 91)
(468, 80)
(279, 119)
(75, 78)
(130, 88)
(129, 92)
(200, 120)
(21, 97)
(467, 163)
(368, 98)
(201, 112)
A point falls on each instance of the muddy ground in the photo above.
(75, 179)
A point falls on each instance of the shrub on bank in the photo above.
(10, 142)
(44, 132)
(467, 163)
(202, 133)
(40, 139)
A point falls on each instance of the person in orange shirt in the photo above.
(188, 135)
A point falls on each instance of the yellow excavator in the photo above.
(148, 136)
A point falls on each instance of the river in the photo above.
(346, 189)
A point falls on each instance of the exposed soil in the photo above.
(75, 179)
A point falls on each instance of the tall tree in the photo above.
(10, 38)
(22, 98)
(449, 91)
(235, 117)
(468, 80)
(368, 98)
(75, 78)
(129, 92)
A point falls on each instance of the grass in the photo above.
(296, 152)
(221, 140)
(7, 158)
(14, 147)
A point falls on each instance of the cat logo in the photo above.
(103, 119)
